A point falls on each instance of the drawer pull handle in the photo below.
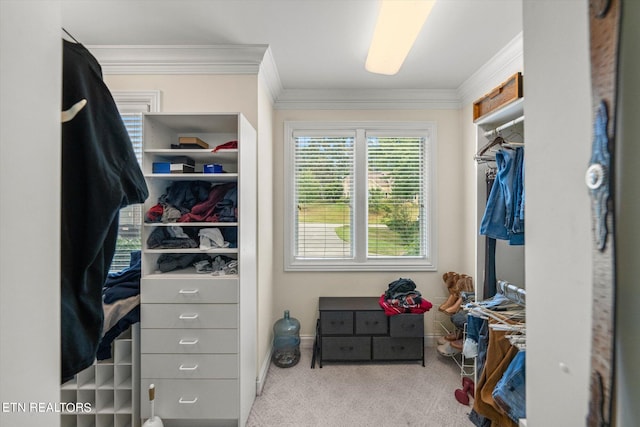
(183, 400)
(347, 348)
(188, 342)
(188, 291)
(186, 316)
(188, 368)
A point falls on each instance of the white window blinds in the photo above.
(129, 233)
(396, 196)
(323, 182)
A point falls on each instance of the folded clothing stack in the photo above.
(402, 297)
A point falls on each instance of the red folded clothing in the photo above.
(391, 309)
(226, 146)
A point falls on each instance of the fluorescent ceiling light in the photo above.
(399, 22)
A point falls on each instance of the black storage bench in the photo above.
(357, 329)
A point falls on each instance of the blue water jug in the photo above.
(286, 341)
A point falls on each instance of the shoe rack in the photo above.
(442, 322)
(107, 390)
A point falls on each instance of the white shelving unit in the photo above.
(108, 388)
(197, 329)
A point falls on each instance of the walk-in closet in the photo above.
(175, 175)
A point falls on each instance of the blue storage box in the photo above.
(212, 168)
(161, 167)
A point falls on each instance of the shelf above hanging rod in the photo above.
(504, 126)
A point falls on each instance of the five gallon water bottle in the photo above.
(286, 341)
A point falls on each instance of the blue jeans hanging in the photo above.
(510, 391)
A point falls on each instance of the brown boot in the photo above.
(448, 303)
(450, 279)
(455, 307)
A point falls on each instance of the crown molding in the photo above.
(258, 60)
(501, 66)
(179, 59)
(367, 99)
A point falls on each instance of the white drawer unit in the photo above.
(189, 399)
(163, 289)
(189, 315)
(197, 328)
(176, 341)
(185, 366)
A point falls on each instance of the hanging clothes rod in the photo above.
(512, 292)
(504, 126)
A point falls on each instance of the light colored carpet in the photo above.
(362, 395)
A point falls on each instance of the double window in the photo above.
(359, 196)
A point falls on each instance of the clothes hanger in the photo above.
(68, 115)
(498, 140)
(69, 34)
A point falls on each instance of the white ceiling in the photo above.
(316, 44)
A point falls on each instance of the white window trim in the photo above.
(137, 101)
(394, 264)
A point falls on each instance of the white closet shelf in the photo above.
(188, 273)
(191, 224)
(502, 115)
(197, 154)
(217, 177)
(192, 251)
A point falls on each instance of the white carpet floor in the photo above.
(362, 395)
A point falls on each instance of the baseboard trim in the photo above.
(262, 374)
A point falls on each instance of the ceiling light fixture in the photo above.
(398, 25)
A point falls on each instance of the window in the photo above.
(359, 196)
(131, 106)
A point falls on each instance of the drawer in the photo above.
(189, 341)
(346, 348)
(189, 399)
(185, 366)
(336, 322)
(194, 291)
(406, 325)
(371, 323)
(189, 316)
(388, 348)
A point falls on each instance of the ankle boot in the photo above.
(467, 383)
(448, 303)
(454, 307)
(462, 394)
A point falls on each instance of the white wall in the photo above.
(558, 250)
(265, 229)
(188, 93)
(299, 291)
(30, 83)
(628, 233)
